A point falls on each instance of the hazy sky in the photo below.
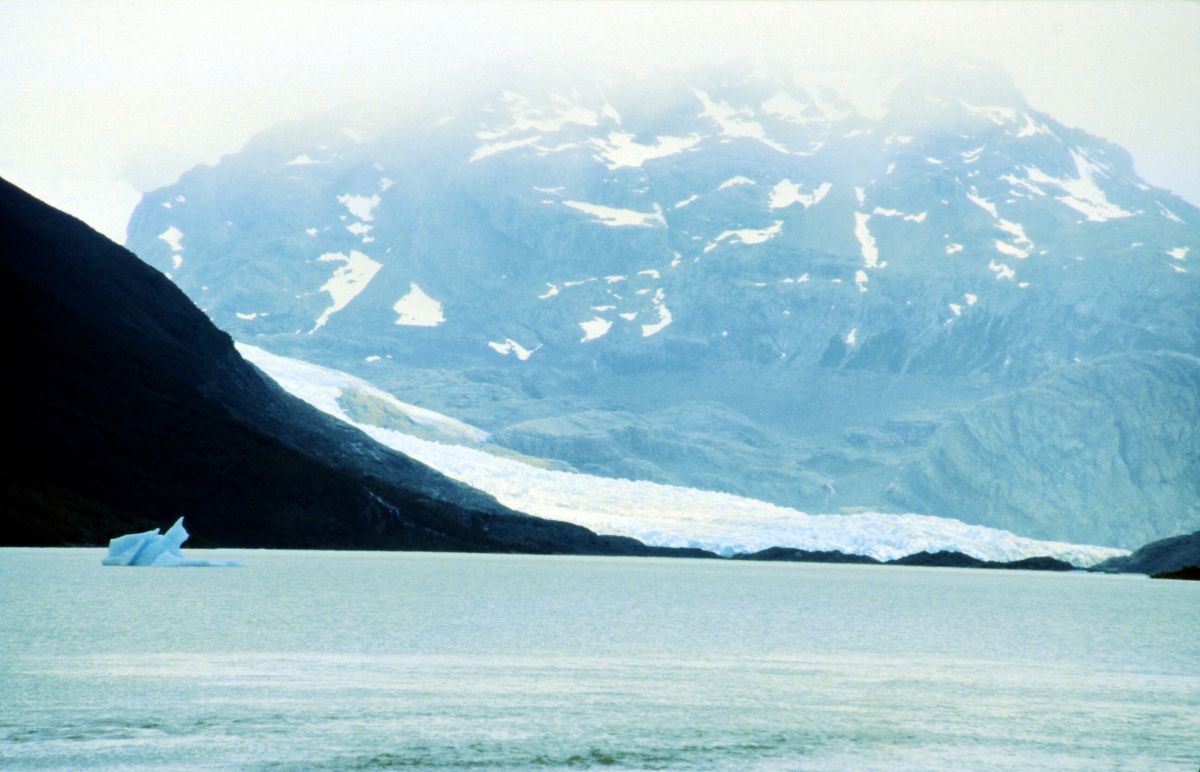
(103, 100)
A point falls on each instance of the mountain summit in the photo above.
(729, 280)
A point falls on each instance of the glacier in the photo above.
(667, 515)
(154, 549)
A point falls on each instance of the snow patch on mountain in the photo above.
(359, 206)
(866, 242)
(416, 309)
(897, 213)
(1083, 193)
(347, 281)
(620, 150)
(738, 180)
(785, 193)
(749, 235)
(596, 327)
(735, 123)
(172, 237)
(617, 218)
(510, 346)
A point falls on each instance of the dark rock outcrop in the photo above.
(129, 408)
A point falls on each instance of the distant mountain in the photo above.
(1163, 556)
(726, 279)
(128, 408)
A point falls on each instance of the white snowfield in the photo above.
(668, 515)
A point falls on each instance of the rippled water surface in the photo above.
(377, 660)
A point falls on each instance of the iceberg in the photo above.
(154, 549)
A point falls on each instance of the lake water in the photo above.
(377, 660)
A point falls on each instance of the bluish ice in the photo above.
(157, 549)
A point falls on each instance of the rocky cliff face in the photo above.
(1110, 448)
(587, 266)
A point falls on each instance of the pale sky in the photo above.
(104, 100)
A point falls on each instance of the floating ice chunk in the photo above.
(154, 549)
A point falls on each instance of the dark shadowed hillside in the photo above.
(128, 409)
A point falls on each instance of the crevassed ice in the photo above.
(675, 516)
(416, 309)
(615, 218)
(347, 281)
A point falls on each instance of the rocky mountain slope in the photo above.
(129, 407)
(721, 278)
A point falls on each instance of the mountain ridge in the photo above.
(632, 247)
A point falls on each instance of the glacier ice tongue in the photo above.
(154, 549)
